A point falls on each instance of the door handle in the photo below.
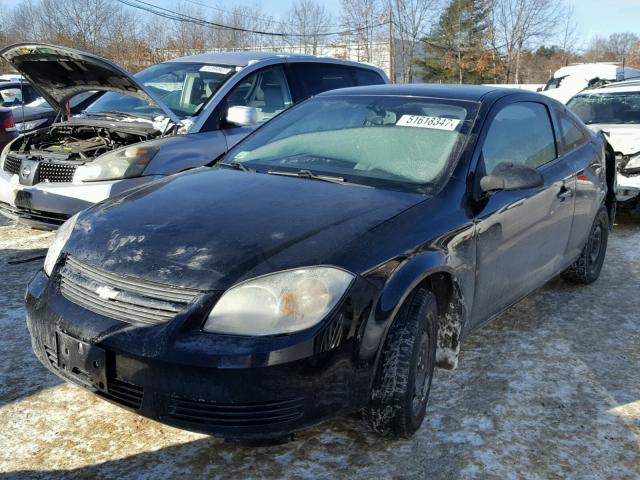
(564, 193)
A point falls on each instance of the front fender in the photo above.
(183, 152)
(407, 274)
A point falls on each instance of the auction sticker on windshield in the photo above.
(439, 123)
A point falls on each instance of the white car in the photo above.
(615, 109)
(568, 81)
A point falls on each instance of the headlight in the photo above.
(633, 163)
(60, 240)
(282, 302)
(123, 163)
(26, 126)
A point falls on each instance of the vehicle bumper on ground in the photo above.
(224, 385)
(628, 187)
(48, 205)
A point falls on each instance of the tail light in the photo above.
(6, 121)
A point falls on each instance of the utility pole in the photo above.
(391, 56)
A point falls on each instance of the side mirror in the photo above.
(242, 116)
(508, 176)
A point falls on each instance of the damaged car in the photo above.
(170, 117)
(615, 109)
(328, 263)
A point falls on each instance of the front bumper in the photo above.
(48, 205)
(235, 387)
(628, 186)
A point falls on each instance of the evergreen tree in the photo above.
(458, 50)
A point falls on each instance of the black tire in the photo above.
(586, 269)
(401, 390)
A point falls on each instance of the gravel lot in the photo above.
(549, 390)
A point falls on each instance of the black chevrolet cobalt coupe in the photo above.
(327, 263)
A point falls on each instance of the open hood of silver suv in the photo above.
(60, 73)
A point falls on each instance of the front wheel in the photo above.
(399, 396)
(586, 269)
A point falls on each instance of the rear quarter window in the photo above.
(364, 76)
(572, 133)
(319, 77)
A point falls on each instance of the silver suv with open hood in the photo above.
(170, 117)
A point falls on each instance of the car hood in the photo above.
(624, 138)
(60, 73)
(211, 228)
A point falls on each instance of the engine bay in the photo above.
(75, 144)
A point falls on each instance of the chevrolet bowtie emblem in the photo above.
(107, 293)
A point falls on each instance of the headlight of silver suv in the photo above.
(282, 302)
(60, 240)
(122, 163)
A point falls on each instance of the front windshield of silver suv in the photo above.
(619, 107)
(184, 87)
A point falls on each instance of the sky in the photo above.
(594, 17)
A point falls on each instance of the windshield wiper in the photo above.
(113, 114)
(235, 166)
(308, 174)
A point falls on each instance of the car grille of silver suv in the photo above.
(12, 165)
(128, 299)
(47, 171)
(56, 172)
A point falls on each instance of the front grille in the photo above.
(47, 171)
(12, 165)
(235, 414)
(124, 393)
(56, 172)
(52, 355)
(49, 218)
(128, 299)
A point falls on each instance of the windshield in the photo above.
(403, 143)
(554, 83)
(607, 107)
(184, 87)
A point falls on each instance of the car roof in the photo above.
(454, 91)
(618, 87)
(242, 59)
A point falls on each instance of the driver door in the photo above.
(521, 235)
(266, 90)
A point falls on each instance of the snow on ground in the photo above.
(551, 389)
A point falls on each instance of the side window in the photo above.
(572, 135)
(10, 96)
(520, 133)
(266, 90)
(365, 76)
(319, 77)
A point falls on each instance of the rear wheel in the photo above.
(399, 396)
(587, 267)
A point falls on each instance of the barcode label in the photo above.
(439, 123)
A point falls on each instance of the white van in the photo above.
(568, 81)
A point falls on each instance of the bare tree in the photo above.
(411, 20)
(521, 23)
(621, 44)
(308, 19)
(569, 36)
(361, 18)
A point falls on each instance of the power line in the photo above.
(254, 16)
(173, 15)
